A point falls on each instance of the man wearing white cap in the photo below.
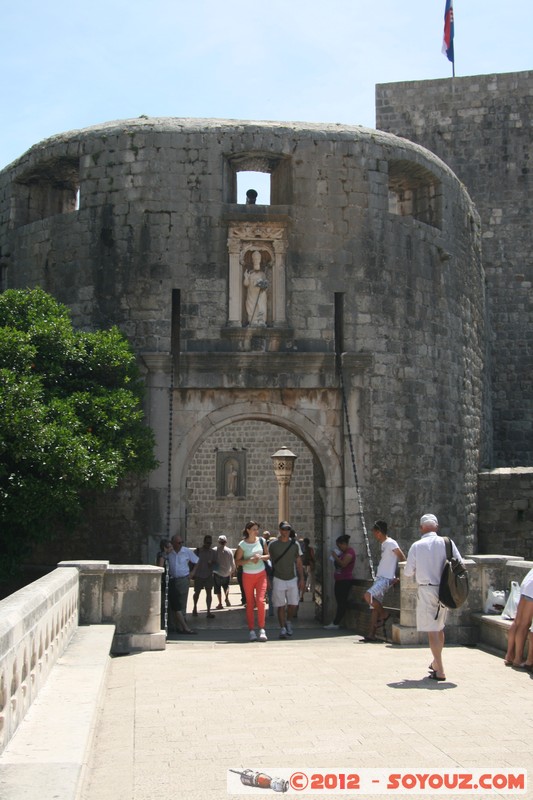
(425, 562)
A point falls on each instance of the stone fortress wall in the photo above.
(481, 127)
(370, 246)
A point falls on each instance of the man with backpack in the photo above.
(425, 562)
(286, 587)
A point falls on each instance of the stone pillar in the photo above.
(235, 284)
(127, 596)
(283, 463)
(158, 379)
(459, 626)
(279, 314)
(91, 583)
(158, 384)
(132, 602)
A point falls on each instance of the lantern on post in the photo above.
(283, 463)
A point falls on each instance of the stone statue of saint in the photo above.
(232, 477)
(256, 292)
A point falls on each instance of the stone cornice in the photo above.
(260, 370)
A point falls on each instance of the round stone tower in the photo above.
(365, 258)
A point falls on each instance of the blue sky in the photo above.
(69, 65)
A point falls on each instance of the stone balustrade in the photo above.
(125, 595)
(36, 625)
(462, 626)
(38, 622)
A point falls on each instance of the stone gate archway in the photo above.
(248, 437)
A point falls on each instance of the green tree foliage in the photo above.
(70, 418)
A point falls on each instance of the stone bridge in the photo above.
(58, 634)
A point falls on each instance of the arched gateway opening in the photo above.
(230, 480)
(227, 478)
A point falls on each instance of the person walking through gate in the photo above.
(343, 558)
(203, 575)
(308, 561)
(223, 570)
(251, 554)
(286, 587)
(180, 560)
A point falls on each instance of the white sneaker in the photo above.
(262, 635)
(331, 627)
(253, 636)
(283, 633)
(289, 629)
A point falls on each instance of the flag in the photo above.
(447, 43)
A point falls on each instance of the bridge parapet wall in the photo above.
(125, 595)
(36, 625)
(462, 627)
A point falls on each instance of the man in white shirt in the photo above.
(391, 553)
(180, 559)
(425, 562)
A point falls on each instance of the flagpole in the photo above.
(453, 36)
(447, 42)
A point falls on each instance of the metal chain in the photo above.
(352, 454)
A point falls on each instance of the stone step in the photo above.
(493, 630)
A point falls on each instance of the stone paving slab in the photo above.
(174, 722)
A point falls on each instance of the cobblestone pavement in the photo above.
(175, 721)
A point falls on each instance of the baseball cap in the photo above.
(222, 538)
(284, 526)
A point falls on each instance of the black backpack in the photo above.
(453, 588)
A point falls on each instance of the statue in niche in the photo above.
(256, 284)
(232, 478)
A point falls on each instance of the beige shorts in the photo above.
(430, 615)
(285, 592)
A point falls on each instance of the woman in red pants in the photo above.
(251, 554)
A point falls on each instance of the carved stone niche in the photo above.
(231, 474)
(257, 248)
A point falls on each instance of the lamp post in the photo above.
(283, 463)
